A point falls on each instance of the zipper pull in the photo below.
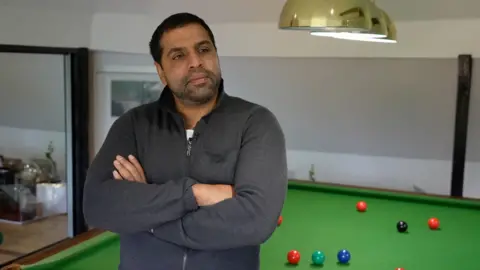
(189, 147)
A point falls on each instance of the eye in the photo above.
(204, 49)
(177, 56)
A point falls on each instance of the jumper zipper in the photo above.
(184, 260)
(189, 152)
(189, 146)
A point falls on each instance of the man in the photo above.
(197, 179)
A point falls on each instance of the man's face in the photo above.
(190, 65)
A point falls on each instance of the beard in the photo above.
(191, 93)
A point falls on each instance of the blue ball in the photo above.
(343, 256)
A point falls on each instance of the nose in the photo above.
(195, 60)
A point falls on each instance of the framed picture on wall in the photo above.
(128, 94)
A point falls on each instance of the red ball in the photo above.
(399, 268)
(433, 223)
(362, 206)
(280, 220)
(293, 257)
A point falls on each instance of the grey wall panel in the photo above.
(379, 107)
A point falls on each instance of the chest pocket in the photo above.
(214, 163)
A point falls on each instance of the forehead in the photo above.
(185, 36)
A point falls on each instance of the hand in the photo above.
(211, 194)
(129, 170)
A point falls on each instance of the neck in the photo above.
(193, 113)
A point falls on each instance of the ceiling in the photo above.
(221, 11)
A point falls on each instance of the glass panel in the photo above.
(128, 94)
(33, 147)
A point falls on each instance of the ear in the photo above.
(161, 73)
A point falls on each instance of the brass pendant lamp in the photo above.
(344, 19)
(383, 31)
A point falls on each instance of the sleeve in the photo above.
(251, 216)
(127, 207)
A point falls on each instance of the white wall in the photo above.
(44, 28)
(131, 33)
(416, 39)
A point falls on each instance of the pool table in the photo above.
(323, 217)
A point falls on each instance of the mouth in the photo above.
(198, 79)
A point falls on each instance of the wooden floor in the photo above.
(19, 240)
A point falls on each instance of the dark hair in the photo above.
(174, 21)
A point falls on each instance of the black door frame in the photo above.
(79, 68)
(464, 84)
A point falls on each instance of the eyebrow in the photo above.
(203, 42)
(198, 44)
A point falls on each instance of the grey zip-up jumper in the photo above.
(161, 227)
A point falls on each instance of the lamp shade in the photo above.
(391, 29)
(328, 16)
(386, 26)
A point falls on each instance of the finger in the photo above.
(137, 165)
(131, 169)
(123, 171)
(117, 176)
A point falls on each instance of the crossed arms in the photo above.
(182, 211)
